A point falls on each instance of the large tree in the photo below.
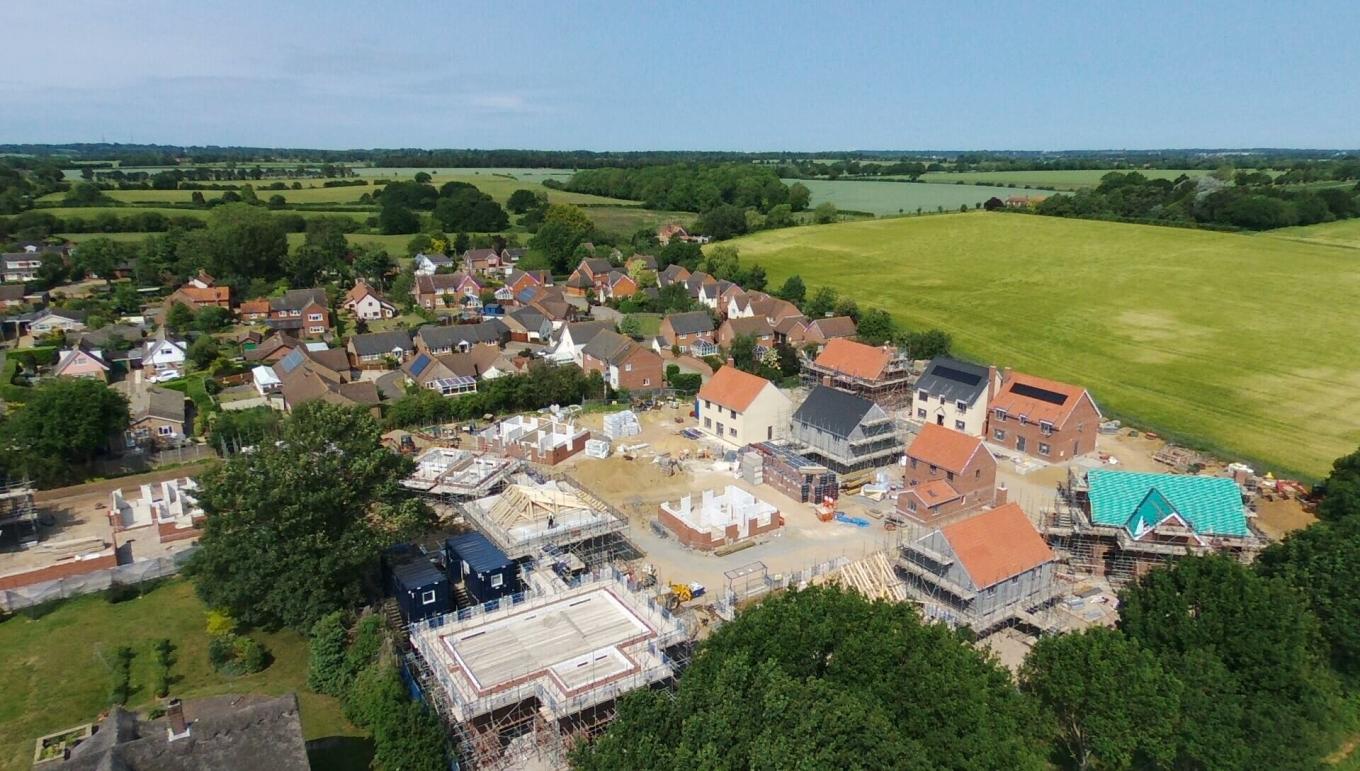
(247, 243)
(60, 428)
(564, 228)
(1108, 702)
(826, 679)
(1255, 636)
(293, 527)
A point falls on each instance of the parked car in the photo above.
(164, 376)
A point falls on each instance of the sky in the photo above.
(689, 75)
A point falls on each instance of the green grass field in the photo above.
(626, 220)
(1245, 344)
(1340, 233)
(55, 677)
(90, 212)
(901, 197)
(1054, 180)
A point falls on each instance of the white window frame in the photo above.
(961, 405)
(1044, 448)
(497, 580)
(959, 425)
(428, 597)
(165, 430)
(999, 434)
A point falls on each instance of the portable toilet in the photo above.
(422, 590)
(485, 571)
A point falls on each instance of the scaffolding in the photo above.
(536, 511)
(1112, 553)
(891, 389)
(878, 444)
(451, 475)
(521, 680)
(18, 516)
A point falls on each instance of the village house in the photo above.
(519, 280)
(880, 374)
(623, 363)
(375, 349)
(640, 262)
(955, 394)
(772, 308)
(26, 264)
(673, 230)
(157, 417)
(740, 408)
(819, 332)
(445, 289)
(672, 274)
(301, 312)
(448, 373)
(364, 302)
(306, 376)
(272, 348)
(253, 311)
(844, 432)
(483, 261)
(981, 572)
(527, 325)
(436, 339)
(617, 285)
(14, 296)
(201, 291)
(428, 264)
(568, 340)
(696, 281)
(685, 329)
(82, 361)
(755, 327)
(590, 277)
(947, 472)
(1043, 418)
(163, 356)
(50, 320)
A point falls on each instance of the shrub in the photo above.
(234, 654)
(326, 670)
(122, 675)
(162, 649)
(220, 624)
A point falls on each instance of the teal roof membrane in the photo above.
(1210, 505)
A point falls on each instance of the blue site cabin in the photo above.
(485, 571)
(422, 590)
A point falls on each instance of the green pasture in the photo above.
(1242, 344)
(1339, 233)
(898, 197)
(626, 220)
(1050, 179)
(56, 675)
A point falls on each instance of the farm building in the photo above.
(530, 516)
(740, 408)
(955, 394)
(794, 475)
(544, 669)
(447, 472)
(1043, 418)
(981, 572)
(879, 374)
(844, 431)
(483, 570)
(421, 590)
(537, 440)
(720, 518)
(947, 472)
(1120, 524)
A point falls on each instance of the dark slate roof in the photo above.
(379, 343)
(835, 412)
(691, 322)
(225, 732)
(529, 318)
(607, 346)
(297, 299)
(480, 554)
(12, 292)
(418, 574)
(437, 337)
(955, 380)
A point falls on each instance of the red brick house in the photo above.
(301, 312)
(624, 364)
(686, 329)
(947, 472)
(430, 291)
(202, 291)
(253, 310)
(590, 277)
(1043, 418)
(754, 326)
(617, 284)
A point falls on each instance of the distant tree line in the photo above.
(1247, 200)
(687, 187)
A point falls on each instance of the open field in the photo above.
(90, 212)
(1242, 343)
(1340, 233)
(900, 197)
(626, 220)
(55, 677)
(1054, 180)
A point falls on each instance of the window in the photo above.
(721, 429)
(923, 396)
(999, 435)
(165, 430)
(911, 504)
(294, 313)
(977, 474)
(1024, 421)
(731, 432)
(961, 405)
(313, 316)
(949, 475)
(933, 468)
(708, 423)
(1043, 448)
(959, 425)
(646, 381)
(913, 463)
(1046, 427)
(497, 580)
(1000, 414)
(941, 398)
(921, 412)
(734, 414)
(427, 598)
(628, 368)
(769, 433)
(316, 330)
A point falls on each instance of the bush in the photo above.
(326, 671)
(163, 650)
(122, 675)
(220, 624)
(234, 654)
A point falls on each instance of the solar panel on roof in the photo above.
(958, 376)
(291, 361)
(1042, 394)
(419, 364)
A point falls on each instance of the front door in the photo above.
(1020, 443)
(939, 420)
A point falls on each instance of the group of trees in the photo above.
(687, 187)
(457, 206)
(63, 424)
(1244, 200)
(539, 386)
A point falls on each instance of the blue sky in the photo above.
(684, 75)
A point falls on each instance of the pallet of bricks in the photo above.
(796, 476)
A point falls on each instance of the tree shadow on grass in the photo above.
(340, 753)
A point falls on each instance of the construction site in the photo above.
(883, 375)
(537, 512)
(452, 474)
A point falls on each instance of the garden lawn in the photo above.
(1243, 344)
(54, 676)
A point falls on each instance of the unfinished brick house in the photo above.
(947, 472)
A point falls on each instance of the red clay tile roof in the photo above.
(204, 295)
(1038, 398)
(934, 492)
(944, 447)
(855, 359)
(733, 389)
(996, 545)
(253, 306)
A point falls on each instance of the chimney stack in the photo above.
(826, 380)
(1002, 494)
(1006, 374)
(174, 714)
(731, 362)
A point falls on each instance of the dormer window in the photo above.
(1000, 414)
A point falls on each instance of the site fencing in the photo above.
(134, 573)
